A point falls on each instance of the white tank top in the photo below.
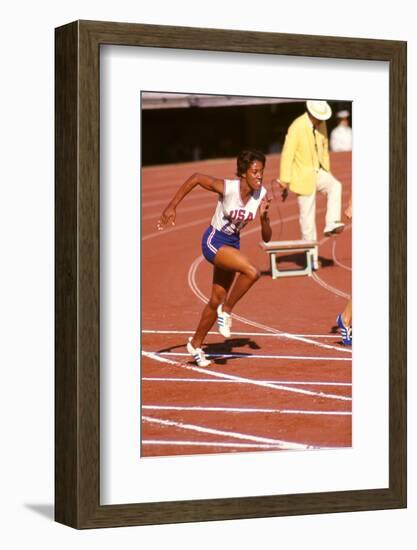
(231, 214)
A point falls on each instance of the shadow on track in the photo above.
(228, 347)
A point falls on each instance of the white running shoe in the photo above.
(333, 228)
(224, 322)
(198, 354)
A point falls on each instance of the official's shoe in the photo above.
(345, 331)
(198, 354)
(224, 322)
(334, 228)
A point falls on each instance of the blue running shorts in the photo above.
(212, 240)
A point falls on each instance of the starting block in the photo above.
(273, 248)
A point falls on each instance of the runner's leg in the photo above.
(347, 314)
(222, 281)
(231, 259)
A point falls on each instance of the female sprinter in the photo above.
(239, 200)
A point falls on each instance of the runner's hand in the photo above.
(284, 189)
(348, 211)
(168, 217)
(264, 207)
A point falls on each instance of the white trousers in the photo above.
(330, 186)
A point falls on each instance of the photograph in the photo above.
(206, 268)
(246, 274)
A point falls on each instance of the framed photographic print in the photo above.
(205, 363)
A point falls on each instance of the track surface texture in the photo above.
(283, 380)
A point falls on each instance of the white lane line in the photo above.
(193, 285)
(148, 331)
(186, 210)
(328, 287)
(243, 410)
(215, 374)
(254, 356)
(173, 229)
(325, 285)
(236, 435)
(291, 336)
(211, 381)
(210, 444)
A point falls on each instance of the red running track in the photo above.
(283, 380)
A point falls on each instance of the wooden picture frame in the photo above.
(77, 384)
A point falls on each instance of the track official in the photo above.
(305, 169)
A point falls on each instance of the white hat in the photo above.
(342, 114)
(319, 109)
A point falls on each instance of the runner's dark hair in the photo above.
(245, 159)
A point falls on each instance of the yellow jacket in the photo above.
(300, 158)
